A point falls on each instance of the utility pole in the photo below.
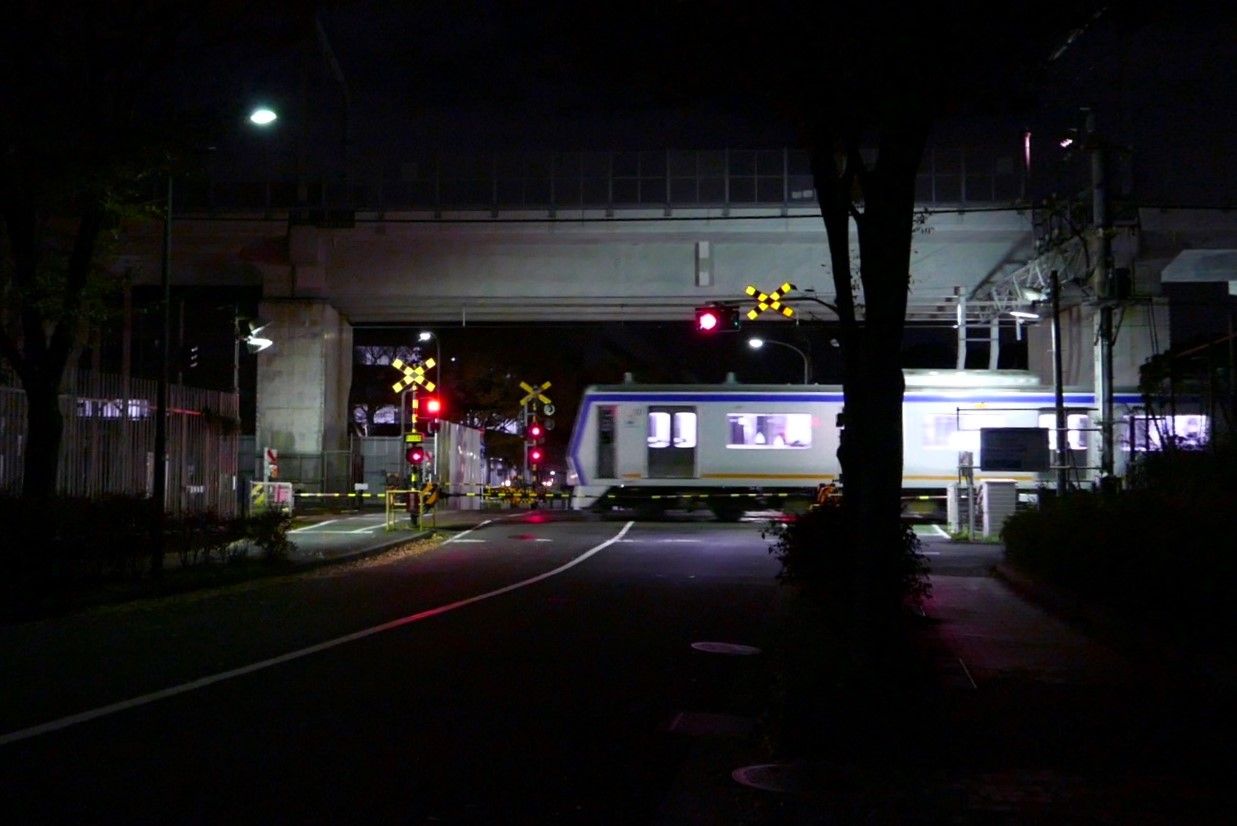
(161, 396)
(1059, 386)
(1104, 293)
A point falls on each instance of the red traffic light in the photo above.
(415, 455)
(715, 318)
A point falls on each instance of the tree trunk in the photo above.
(870, 450)
(885, 250)
(44, 430)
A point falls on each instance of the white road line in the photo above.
(342, 533)
(467, 541)
(313, 526)
(184, 688)
(460, 536)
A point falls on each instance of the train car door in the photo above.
(672, 442)
(605, 441)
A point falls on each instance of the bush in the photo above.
(1146, 554)
(269, 531)
(207, 537)
(819, 551)
(76, 537)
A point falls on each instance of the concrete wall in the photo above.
(304, 379)
(1142, 331)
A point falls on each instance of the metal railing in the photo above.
(107, 445)
(552, 181)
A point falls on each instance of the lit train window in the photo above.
(666, 429)
(773, 431)
(1188, 432)
(659, 429)
(684, 433)
(1077, 425)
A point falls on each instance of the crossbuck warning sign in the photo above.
(413, 374)
(537, 392)
(770, 301)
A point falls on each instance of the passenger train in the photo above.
(732, 447)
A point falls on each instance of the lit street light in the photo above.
(263, 116)
(253, 343)
(757, 343)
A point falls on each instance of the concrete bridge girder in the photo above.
(471, 267)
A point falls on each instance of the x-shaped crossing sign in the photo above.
(537, 393)
(413, 374)
(771, 301)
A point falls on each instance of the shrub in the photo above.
(1147, 554)
(206, 537)
(819, 551)
(269, 531)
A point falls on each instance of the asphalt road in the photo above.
(537, 669)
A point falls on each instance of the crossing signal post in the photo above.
(433, 407)
(415, 454)
(534, 428)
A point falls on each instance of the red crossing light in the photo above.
(415, 455)
(534, 456)
(714, 318)
(535, 430)
(433, 407)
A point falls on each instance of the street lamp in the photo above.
(262, 116)
(757, 343)
(159, 482)
(253, 343)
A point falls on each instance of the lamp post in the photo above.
(426, 335)
(757, 343)
(159, 482)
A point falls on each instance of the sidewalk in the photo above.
(1027, 720)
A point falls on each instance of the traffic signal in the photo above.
(433, 413)
(534, 457)
(714, 318)
(415, 455)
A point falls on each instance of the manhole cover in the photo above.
(769, 777)
(732, 648)
(703, 724)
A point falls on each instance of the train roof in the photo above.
(915, 380)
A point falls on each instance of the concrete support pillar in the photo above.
(304, 378)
